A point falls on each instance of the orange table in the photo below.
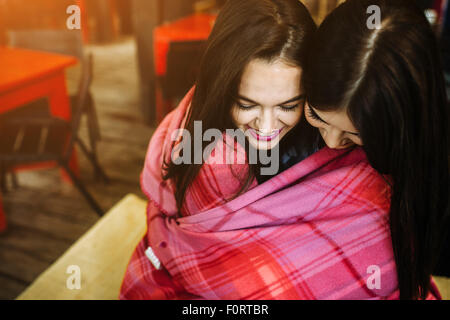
(191, 28)
(26, 76)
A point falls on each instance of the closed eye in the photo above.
(290, 108)
(314, 115)
(246, 107)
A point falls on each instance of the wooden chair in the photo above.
(43, 139)
(62, 42)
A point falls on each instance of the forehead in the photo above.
(338, 119)
(270, 82)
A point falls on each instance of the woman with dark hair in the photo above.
(317, 229)
(374, 79)
(249, 81)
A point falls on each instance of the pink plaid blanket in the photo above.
(316, 231)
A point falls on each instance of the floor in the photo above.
(46, 215)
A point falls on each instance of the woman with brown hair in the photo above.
(316, 229)
(249, 81)
(377, 82)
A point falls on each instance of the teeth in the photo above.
(265, 134)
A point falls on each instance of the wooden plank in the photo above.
(102, 255)
(120, 135)
(58, 201)
(57, 225)
(20, 265)
(35, 242)
(10, 287)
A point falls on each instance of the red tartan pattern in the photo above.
(311, 232)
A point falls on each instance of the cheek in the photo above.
(290, 118)
(312, 122)
(357, 141)
(241, 117)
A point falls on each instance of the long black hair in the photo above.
(244, 31)
(388, 77)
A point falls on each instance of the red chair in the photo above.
(183, 65)
(184, 35)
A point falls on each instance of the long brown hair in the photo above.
(244, 30)
(390, 82)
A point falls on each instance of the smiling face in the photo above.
(336, 128)
(270, 102)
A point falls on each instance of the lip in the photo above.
(259, 137)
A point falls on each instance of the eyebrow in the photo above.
(300, 97)
(318, 117)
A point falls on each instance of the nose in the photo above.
(334, 138)
(266, 121)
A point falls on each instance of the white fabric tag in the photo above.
(153, 259)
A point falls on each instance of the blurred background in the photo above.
(135, 59)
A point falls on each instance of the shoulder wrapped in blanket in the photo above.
(319, 230)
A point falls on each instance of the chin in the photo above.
(263, 145)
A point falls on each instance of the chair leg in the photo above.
(94, 136)
(77, 182)
(94, 127)
(92, 157)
